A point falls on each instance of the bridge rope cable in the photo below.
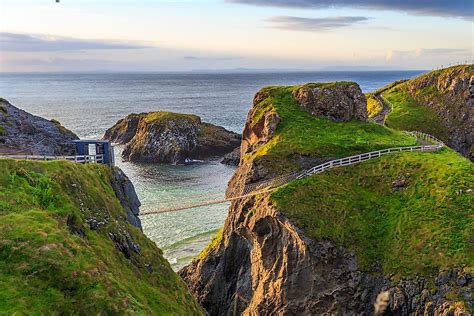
(25, 149)
(273, 184)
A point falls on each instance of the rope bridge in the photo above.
(277, 182)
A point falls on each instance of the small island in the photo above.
(168, 137)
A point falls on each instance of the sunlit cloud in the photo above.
(41, 43)
(458, 54)
(314, 24)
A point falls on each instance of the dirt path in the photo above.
(380, 118)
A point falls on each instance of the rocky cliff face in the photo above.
(266, 265)
(170, 137)
(125, 192)
(23, 133)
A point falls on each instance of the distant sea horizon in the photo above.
(89, 103)
(220, 71)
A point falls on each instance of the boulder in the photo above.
(340, 101)
(232, 158)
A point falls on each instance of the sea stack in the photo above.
(168, 137)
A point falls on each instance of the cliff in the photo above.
(439, 103)
(389, 236)
(68, 244)
(24, 133)
(170, 138)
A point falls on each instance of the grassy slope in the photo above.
(44, 268)
(408, 114)
(417, 229)
(301, 133)
(410, 110)
(423, 227)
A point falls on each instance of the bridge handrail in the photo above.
(80, 158)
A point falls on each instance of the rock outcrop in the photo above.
(232, 158)
(170, 138)
(24, 133)
(125, 192)
(344, 103)
(264, 264)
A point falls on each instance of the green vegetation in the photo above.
(3, 131)
(214, 242)
(52, 262)
(61, 128)
(302, 134)
(3, 110)
(166, 117)
(427, 103)
(408, 114)
(411, 212)
(373, 106)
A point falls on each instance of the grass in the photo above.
(423, 227)
(165, 117)
(53, 263)
(301, 134)
(373, 106)
(408, 114)
(3, 131)
(214, 242)
(63, 130)
(427, 101)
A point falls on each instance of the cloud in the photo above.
(210, 58)
(39, 43)
(425, 53)
(314, 24)
(449, 8)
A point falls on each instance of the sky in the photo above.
(248, 35)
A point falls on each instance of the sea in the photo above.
(90, 103)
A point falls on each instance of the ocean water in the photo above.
(88, 104)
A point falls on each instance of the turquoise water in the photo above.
(183, 234)
(88, 104)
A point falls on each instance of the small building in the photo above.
(103, 150)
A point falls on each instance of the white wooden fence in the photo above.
(79, 159)
(346, 161)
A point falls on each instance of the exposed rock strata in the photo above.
(24, 133)
(170, 138)
(264, 265)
